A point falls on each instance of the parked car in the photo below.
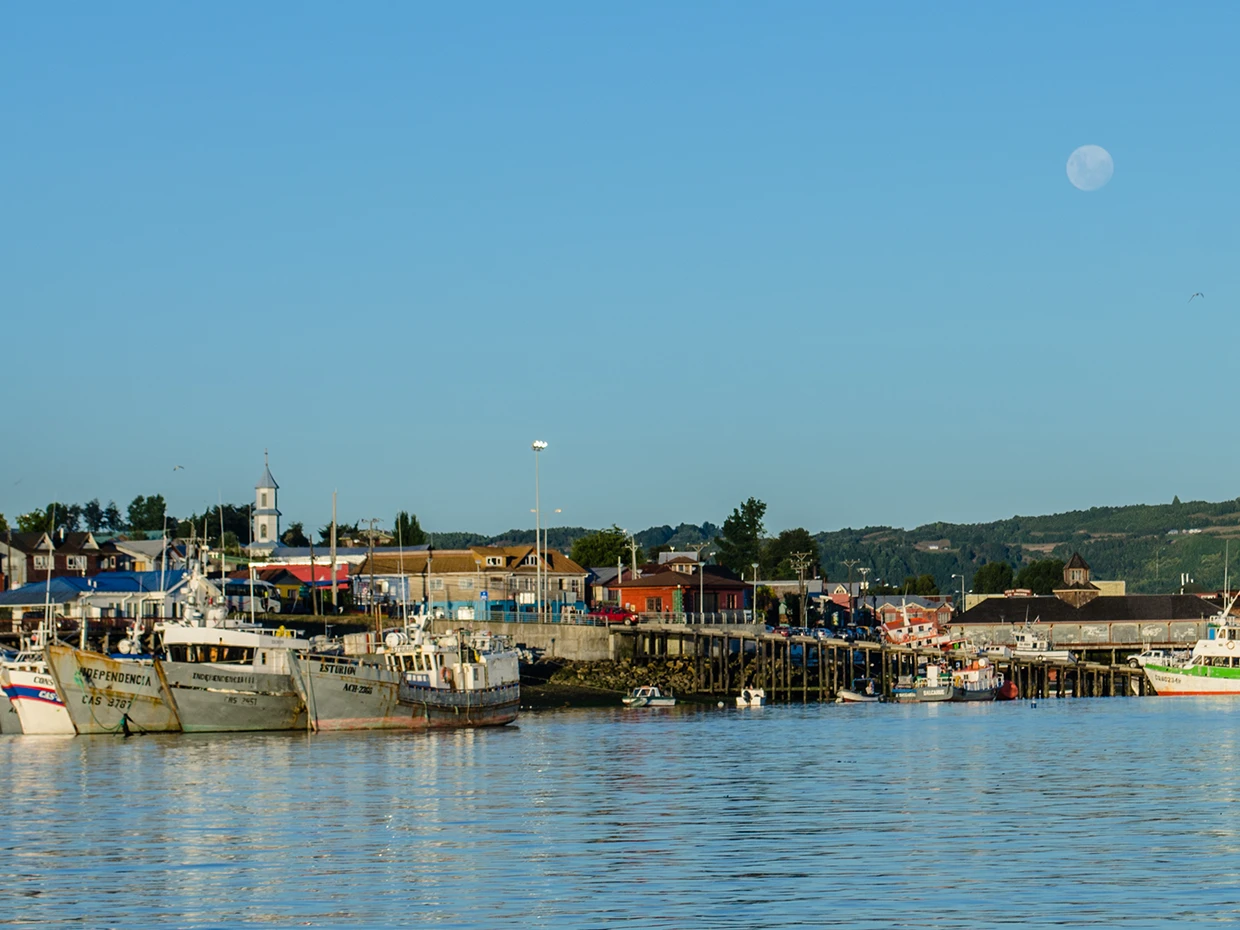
(612, 614)
(1154, 657)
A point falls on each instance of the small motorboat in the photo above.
(648, 696)
(863, 691)
(751, 697)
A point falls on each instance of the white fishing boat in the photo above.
(412, 680)
(1213, 667)
(1029, 644)
(976, 681)
(751, 697)
(31, 690)
(648, 696)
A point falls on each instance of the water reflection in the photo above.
(1071, 813)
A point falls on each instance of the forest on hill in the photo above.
(1150, 546)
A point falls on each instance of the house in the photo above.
(139, 555)
(45, 555)
(672, 590)
(108, 596)
(479, 578)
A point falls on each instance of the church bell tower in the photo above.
(266, 527)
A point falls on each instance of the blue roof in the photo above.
(64, 590)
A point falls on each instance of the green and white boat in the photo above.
(1213, 667)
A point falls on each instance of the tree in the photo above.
(740, 544)
(295, 535)
(4, 524)
(777, 555)
(350, 530)
(33, 522)
(993, 578)
(920, 585)
(147, 513)
(407, 529)
(92, 515)
(1042, 576)
(606, 547)
(112, 518)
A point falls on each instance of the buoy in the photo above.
(720, 704)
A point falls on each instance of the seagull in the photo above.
(178, 468)
(1198, 294)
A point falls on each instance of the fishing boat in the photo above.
(1029, 644)
(33, 697)
(976, 681)
(930, 685)
(231, 680)
(863, 691)
(751, 697)
(1213, 667)
(412, 681)
(648, 696)
(10, 723)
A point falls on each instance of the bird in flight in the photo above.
(1198, 294)
(178, 468)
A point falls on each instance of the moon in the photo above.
(1090, 167)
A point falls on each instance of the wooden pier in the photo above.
(803, 669)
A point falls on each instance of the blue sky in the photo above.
(822, 254)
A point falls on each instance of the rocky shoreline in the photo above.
(563, 683)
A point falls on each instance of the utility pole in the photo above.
(850, 564)
(801, 562)
(632, 546)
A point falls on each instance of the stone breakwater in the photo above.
(672, 674)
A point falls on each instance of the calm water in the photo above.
(1073, 813)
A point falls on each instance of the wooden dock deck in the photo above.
(804, 669)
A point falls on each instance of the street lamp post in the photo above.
(961, 577)
(538, 446)
(755, 592)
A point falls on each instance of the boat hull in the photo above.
(106, 695)
(10, 723)
(353, 695)
(927, 695)
(1192, 680)
(231, 699)
(854, 697)
(1007, 691)
(967, 695)
(37, 704)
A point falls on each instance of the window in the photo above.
(496, 582)
(262, 530)
(262, 499)
(465, 584)
(530, 559)
(495, 561)
(40, 562)
(654, 604)
(436, 584)
(75, 562)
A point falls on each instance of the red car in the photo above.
(610, 614)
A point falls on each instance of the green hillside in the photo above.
(1146, 545)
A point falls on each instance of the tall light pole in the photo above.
(961, 577)
(755, 592)
(538, 446)
(697, 550)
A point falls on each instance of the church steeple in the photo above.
(266, 512)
